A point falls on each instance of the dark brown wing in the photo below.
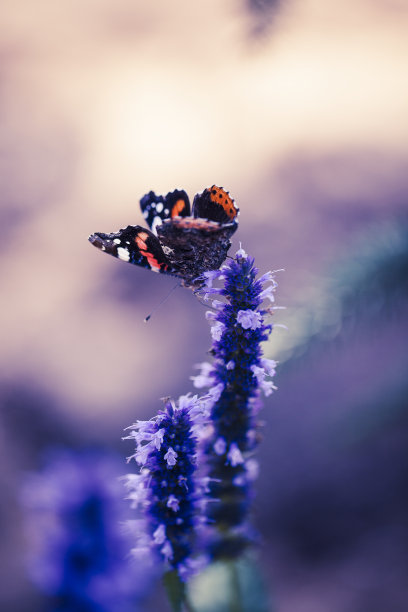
(134, 244)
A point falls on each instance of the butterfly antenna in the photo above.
(162, 302)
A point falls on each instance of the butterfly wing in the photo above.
(215, 204)
(134, 244)
(157, 209)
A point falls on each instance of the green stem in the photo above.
(175, 590)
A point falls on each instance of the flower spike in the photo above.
(239, 373)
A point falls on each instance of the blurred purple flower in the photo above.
(239, 374)
(78, 551)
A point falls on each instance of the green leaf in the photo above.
(229, 586)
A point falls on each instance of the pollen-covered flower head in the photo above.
(168, 490)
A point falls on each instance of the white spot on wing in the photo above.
(167, 250)
(159, 207)
(117, 241)
(123, 254)
(156, 221)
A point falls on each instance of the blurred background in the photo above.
(299, 109)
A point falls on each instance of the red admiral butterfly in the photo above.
(184, 242)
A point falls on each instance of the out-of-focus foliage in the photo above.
(341, 411)
(365, 287)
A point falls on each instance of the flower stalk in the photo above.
(240, 373)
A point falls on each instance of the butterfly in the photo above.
(182, 241)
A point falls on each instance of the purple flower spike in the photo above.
(168, 489)
(239, 374)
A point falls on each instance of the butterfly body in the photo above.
(182, 243)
